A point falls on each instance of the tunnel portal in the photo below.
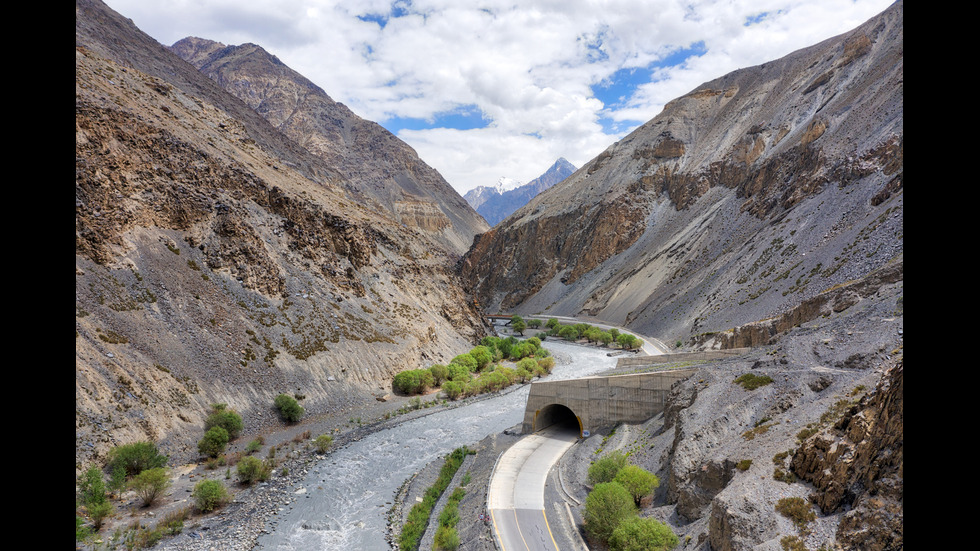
(557, 414)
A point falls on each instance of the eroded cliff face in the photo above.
(743, 198)
(215, 268)
(378, 168)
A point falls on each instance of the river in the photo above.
(350, 490)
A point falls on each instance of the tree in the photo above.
(606, 338)
(642, 534)
(638, 481)
(626, 340)
(93, 496)
(136, 457)
(227, 419)
(209, 495)
(568, 332)
(213, 442)
(606, 506)
(467, 360)
(289, 408)
(151, 483)
(607, 467)
(534, 323)
(552, 323)
(482, 356)
(518, 324)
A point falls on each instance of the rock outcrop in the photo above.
(216, 261)
(858, 465)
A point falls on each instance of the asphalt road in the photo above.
(516, 496)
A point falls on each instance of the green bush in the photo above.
(227, 419)
(466, 360)
(252, 469)
(638, 481)
(322, 443)
(452, 389)
(413, 381)
(289, 408)
(642, 534)
(606, 468)
(439, 374)
(482, 356)
(209, 495)
(213, 442)
(136, 457)
(93, 496)
(606, 506)
(446, 538)
(151, 484)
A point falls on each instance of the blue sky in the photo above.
(494, 88)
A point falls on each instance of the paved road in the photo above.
(516, 496)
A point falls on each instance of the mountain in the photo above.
(743, 198)
(218, 260)
(378, 168)
(497, 202)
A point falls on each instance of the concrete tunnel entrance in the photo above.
(557, 414)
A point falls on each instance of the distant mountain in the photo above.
(499, 201)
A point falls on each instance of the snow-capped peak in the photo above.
(506, 184)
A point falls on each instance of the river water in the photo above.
(350, 491)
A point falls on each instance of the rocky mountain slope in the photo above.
(218, 261)
(495, 205)
(743, 198)
(378, 168)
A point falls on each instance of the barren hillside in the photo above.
(216, 261)
(743, 198)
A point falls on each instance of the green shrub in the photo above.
(213, 442)
(289, 408)
(446, 538)
(227, 419)
(744, 464)
(751, 381)
(607, 467)
(439, 374)
(452, 389)
(136, 457)
(642, 534)
(482, 356)
(466, 360)
(323, 442)
(151, 484)
(254, 446)
(252, 469)
(606, 506)
(99, 512)
(797, 510)
(209, 495)
(638, 481)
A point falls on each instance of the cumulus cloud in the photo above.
(532, 70)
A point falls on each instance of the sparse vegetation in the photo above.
(744, 464)
(322, 443)
(418, 516)
(797, 510)
(751, 381)
(252, 469)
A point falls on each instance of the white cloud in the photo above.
(529, 69)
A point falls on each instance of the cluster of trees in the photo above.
(611, 508)
(577, 331)
(480, 370)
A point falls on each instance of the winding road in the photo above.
(516, 496)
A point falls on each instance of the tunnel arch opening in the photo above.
(557, 414)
